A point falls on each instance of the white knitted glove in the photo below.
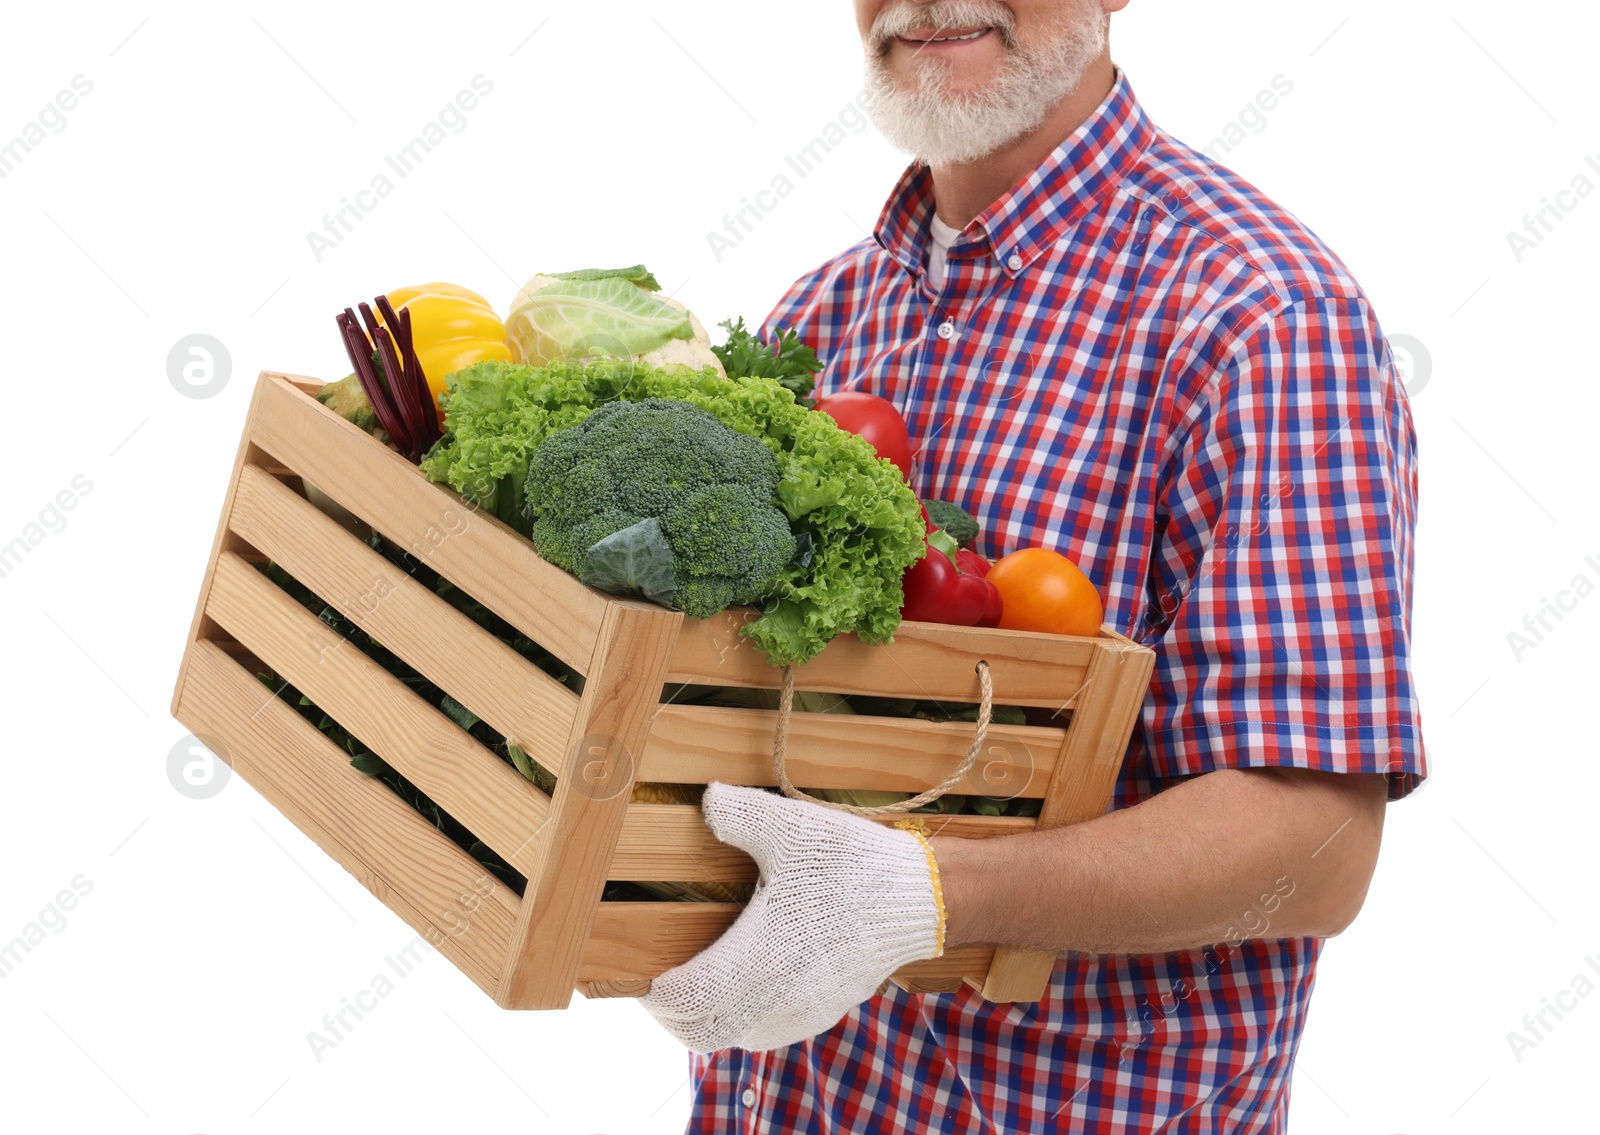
(842, 903)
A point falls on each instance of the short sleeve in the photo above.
(1280, 586)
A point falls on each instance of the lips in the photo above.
(922, 38)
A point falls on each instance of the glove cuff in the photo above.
(914, 826)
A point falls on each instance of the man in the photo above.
(1107, 345)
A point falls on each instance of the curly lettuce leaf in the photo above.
(497, 412)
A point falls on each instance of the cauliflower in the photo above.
(694, 352)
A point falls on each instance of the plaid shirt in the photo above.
(1139, 360)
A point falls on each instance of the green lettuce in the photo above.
(496, 413)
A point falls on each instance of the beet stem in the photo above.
(359, 349)
(417, 382)
(407, 408)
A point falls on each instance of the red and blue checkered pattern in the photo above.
(1139, 360)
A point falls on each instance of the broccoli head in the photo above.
(712, 490)
(728, 529)
(702, 596)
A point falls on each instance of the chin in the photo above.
(963, 87)
(944, 83)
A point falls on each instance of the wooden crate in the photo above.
(531, 951)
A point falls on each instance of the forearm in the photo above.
(1225, 856)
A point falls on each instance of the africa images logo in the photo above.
(51, 119)
(1538, 225)
(451, 119)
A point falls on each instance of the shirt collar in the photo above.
(1027, 220)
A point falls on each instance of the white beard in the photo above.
(944, 128)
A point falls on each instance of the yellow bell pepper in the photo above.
(451, 327)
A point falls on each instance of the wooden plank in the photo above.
(1097, 739)
(633, 942)
(671, 843)
(472, 549)
(405, 862)
(944, 974)
(963, 826)
(487, 795)
(618, 987)
(1119, 637)
(925, 660)
(516, 698)
(692, 744)
(203, 626)
(593, 786)
(1085, 779)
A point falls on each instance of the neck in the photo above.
(962, 190)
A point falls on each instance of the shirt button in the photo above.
(947, 330)
(1014, 262)
(748, 1098)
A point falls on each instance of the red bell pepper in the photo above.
(994, 609)
(938, 591)
(969, 561)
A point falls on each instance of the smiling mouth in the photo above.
(946, 37)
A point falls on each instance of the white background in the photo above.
(178, 996)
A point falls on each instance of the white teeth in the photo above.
(956, 38)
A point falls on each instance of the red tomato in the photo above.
(875, 419)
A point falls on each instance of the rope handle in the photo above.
(780, 744)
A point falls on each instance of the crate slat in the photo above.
(224, 540)
(692, 744)
(1086, 776)
(496, 567)
(944, 974)
(671, 843)
(405, 862)
(593, 786)
(631, 942)
(487, 795)
(635, 941)
(925, 660)
(516, 698)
